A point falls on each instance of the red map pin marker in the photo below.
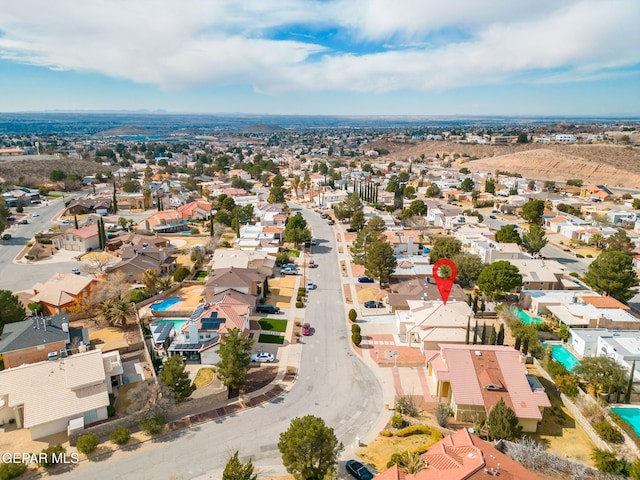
(445, 284)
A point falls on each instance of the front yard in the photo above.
(273, 324)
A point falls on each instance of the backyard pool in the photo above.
(564, 356)
(524, 316)
(178, 323)
(165, 304)
(631, 415)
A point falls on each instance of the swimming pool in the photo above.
(524, 316)
(564, 356)
(178, 323)
(631, 415)
(165, 304)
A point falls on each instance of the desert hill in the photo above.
(613, 165)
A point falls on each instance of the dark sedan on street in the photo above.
(373, 304)
(358, 471)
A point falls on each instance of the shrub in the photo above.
(421, 450)
(180, 274)
(302, 291)
(356, 328)
(299, 304)
(120, 436)
(300, 298)
(443, 412)
(52, 455)
(386, 433)
(111, 411)
(194, 231)
(567, 384)
(556, 369)
(397, 421)
(138, 295)
(574, 274)
(608, 432)
(414, 430)
(608, 462)
(579, 255)
(87, 443)
(406, 406)
(356, 338)
(12, 470)
(353, 315)
(152, 425)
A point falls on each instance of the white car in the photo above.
(311, 286)
(262, 357)
(35, 214)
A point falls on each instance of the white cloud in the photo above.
(205, 42)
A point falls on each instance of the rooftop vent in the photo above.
(493, 387)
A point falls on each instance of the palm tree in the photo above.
(147, 199)
(411, 463)
(104, 310)
(121, 311)
(150, 281)
(165, 283)
(295, 184)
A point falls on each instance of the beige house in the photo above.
(542, 274)
(44, 397)
(259, 260)
(82, 239)
(473, 378)
(63, 291)
(429, 323)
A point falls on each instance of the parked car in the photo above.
(312, 264)
(65, 222)
(331, 222)
(288, 271)
(492, 217)
(373, 304)
(313, 241)
(306, 329)
(358, 471)
(24, 221)
(75, 271)
(311, 285)
(6, 236)
(35, 214)
(365, 280)
(266, 308)
(263, 357)
(351, 230)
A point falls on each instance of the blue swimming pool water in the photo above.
(631, 415)
(178, 323)
(165, 304)
(524, 316)
(564, 356)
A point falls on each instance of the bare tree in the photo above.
(150, 396)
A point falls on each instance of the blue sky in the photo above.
(332, 57)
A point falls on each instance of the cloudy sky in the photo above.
(369, 57)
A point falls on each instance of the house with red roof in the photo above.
(197, 210)
(473, 378)
(459, 456)
(166, 222)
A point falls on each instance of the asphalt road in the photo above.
(333, 383)
(16, 277)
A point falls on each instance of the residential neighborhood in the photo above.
(240, 280)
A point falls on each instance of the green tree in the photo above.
(563, 332)
(174, 376)
(620, 242)
(523, 137)
(629, 390)
(11, 309)
(532, 211)
(381, 261)
(508, 234)
(296, 230)
(150, 281)
(500, 338)
(57, 175)
(276, 195)
(309, 448)
(502, 422)
(4, 214)
(612, 274)
(236, 470)
(534, 240)
(433, 191)
(467, 185)
(469, 267)
(498, 278)
(445, 247)
(603, 374)
(235, 358)
(365, 238)
(131, 186)
(357, 220)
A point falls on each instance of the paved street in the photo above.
(333, 383)
(18, 276)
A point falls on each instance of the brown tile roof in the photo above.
(604, 302)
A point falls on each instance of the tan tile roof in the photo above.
(51, 391)
(604, 302)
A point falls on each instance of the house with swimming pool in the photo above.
(199, 338)
(473, 378)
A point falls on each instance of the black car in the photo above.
(358, 470)
(373, 304)
(266, 308)
(365, 280)
(351, 230)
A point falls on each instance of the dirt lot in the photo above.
(281, 290)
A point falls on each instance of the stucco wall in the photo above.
(31, 354)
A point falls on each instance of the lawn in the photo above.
(203, 378)
(200, 276)
(271, 339)
(379, 452)
(293, 253)
(273, 325)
